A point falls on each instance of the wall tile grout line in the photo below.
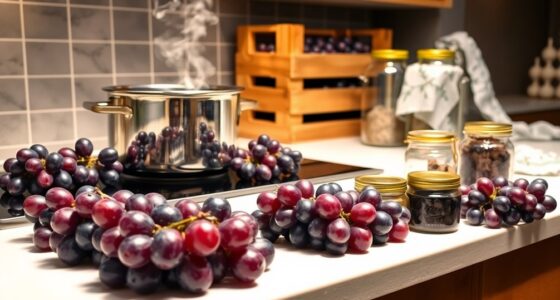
(72, 79)
(25, 79)
(112, 35)
(84, 41)
(97, 7)
(218, 45)
(46, 144)
(151, 42)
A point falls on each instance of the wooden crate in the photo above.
(289, 67)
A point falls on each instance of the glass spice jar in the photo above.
(383, 80)
(391, 188)
(431, 150)
(435, 201)
(486, 151)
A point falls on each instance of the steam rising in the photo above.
(185, 52)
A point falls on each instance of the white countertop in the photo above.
(294, 273)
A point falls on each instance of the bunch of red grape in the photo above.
(35, 170)
(496, 202)
(330, 218)
(140, 241)
(266, 159)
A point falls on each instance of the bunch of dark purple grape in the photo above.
(266, 47)
(35, 170)
(500, 202)
(321, 44)
(139, 149)
(265, 159)
(141, 242)
(330, 218)
(212, 151)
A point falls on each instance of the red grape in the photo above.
(156, 199)
(521, 183)
(288, 195)
(135, 250)
(188, 208)
(195, 274)
(485, 186)
(549, 203)
(110, 242)
(65, 220)
(202, 238)
(107, 213)
(360, 239)
(464, 189)
(55, 240)
(41, 237)
(139, 202)
(235, 233)
(167, 248)
(327, 206)
(517, 196)
(399, 232)
(285, 217)
(268, 203)
(249, 219)
(247, 265)
(492, 219)
(33, 205)
(530, 203)
(136, 222)
(538, 189)
(58, 198)
(362, 214)
(122, 196)
(306, 188)
(346, 201)
(85, 203)
(338, 231)
(265, 248)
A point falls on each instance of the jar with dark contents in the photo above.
(391, 188)
(486, 151)
(435, 201)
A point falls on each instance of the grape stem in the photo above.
(181, 225)
(345, 216)
(89, 161)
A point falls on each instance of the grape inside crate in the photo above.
(291, 106)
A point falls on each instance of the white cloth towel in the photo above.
(430, 92)
(483, 91)
(532, 161)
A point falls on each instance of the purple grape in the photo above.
(549, 203)
(40, 150)
(521, 183)
(539, 211)
(492, 218)
(501, 204)
(500, 182)
(393, 208)
(24, 154)
(474, 216)
(370, 196)
(382, 223)
(512, 217)
(346, 201)
(538, 189)
(84, 147)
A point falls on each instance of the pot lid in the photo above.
(170, 90)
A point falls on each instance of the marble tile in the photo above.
(11, 58)
(47, 58)
(238, 7)
(90, 24)
(131, 25)
(227, 79)
(92, 58)
(227, 58)
(228, 28)
(90, 89)
(167, 79)
(10, 23)
(13, 130)
(90, 2)
(131, 3)
(50, 93)
(51, 127)
(132, 58)
(46, 1)
(92, 124)
(12, 94)
(125, 80)
(45, 22)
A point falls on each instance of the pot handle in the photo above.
(106, 108)
(247, 104)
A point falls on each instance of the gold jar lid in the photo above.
(390, 54)
(383, 184)
(488, 128)
(434, 180)
(430, 136)
(435, 54)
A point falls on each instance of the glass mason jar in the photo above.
(431, 150)
(486, 151)
(437, 57)
(435, 201)
(391, 188)
(383, 80)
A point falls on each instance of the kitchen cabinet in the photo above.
(390, 3)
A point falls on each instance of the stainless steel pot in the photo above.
(168, 128)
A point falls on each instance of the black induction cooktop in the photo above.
(200, 186)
